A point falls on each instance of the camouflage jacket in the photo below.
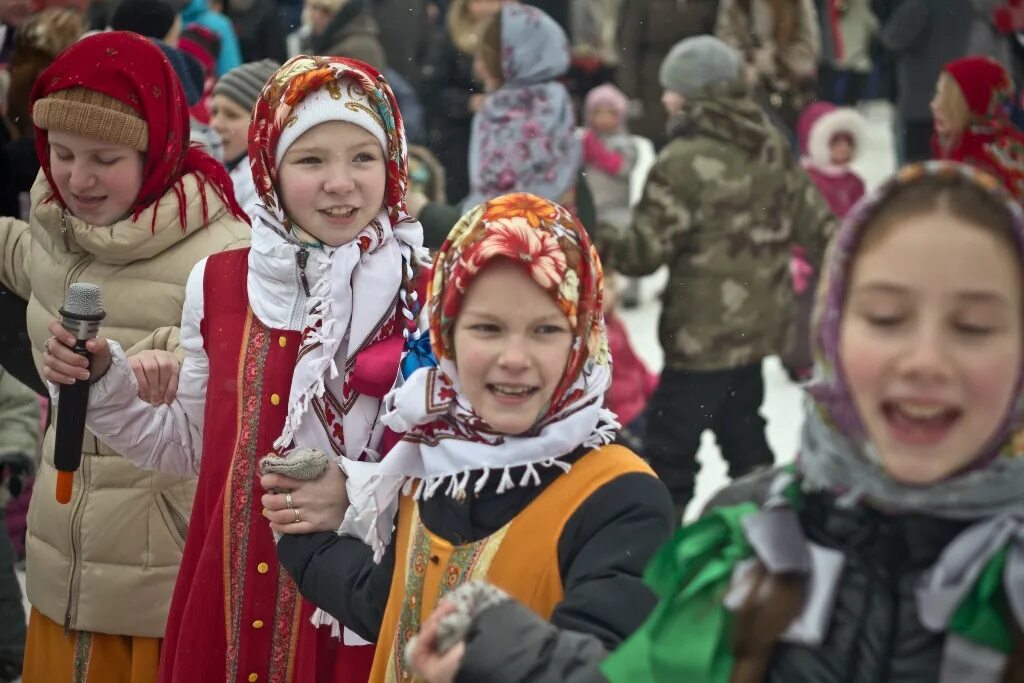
(722, 208)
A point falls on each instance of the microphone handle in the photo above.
(74, 402)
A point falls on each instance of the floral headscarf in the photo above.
(991, 141)
(445, 438)
(835, 453)
(365, 288)
(524, 137)
(301, 76)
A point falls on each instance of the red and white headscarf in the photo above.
(991, 142)
(134, 71)
(364, 288)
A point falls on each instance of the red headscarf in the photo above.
(134, 71)
(990, 142)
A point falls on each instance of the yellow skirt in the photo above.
(83, 657)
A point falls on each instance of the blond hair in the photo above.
(951, 102)
(462, 28)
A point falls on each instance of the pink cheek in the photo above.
(864, 372)
(993, 385)
(472, 365)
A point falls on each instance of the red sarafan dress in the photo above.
(232, 596)
(237, 615)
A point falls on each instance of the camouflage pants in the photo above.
(728, 402)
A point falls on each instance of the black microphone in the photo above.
(81, 316)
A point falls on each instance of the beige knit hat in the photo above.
(90, 113)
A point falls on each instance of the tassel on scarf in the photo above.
(322, 618)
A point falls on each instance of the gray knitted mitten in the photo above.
(470, 600)
(304, 464)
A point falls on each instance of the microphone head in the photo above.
(82, 300)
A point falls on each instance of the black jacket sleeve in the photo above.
(603, 552)
(505, 640)
(604, 549)
(338, 575)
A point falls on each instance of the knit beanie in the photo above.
(149, 18)
(244, 83)
(695, 63)
(92, 114)
(341, 102)
(606, 95)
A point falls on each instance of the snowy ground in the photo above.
(782, 398)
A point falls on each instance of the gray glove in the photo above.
(470, 600)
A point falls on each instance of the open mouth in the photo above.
(921, 424)
(512, 393)
(85, 200)
(341, 212)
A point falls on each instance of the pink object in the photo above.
(374, 371)
(606, 95)
(632, 382)
(800, 270)
(597, 155)
(842, 190)
(819, 125)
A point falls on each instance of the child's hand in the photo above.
(61, 365)
(156, 371)
(422, 655)
(316, 505)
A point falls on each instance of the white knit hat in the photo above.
(347, 103)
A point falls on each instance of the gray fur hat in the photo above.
(695, 63)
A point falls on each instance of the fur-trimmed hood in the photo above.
(820, 123)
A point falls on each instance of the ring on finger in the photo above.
(46, 345)
(297, 518)
(288, 501)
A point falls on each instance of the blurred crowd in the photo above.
(727, 159)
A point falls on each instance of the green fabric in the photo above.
(688, 636)
(982, 617)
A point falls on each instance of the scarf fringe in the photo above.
(322, 332)
(605, 431)
(322, 618)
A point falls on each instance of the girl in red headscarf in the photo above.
(289, 348)
(123, 202)
(971, 110)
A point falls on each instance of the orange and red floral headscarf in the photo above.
(302, 76)
(553, 250)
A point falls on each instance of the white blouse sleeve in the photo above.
(169, 437)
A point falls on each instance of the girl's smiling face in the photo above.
(332, 181)
(512, 344)
(930, 342)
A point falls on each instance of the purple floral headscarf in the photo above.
(829, 388)
(524, 137)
